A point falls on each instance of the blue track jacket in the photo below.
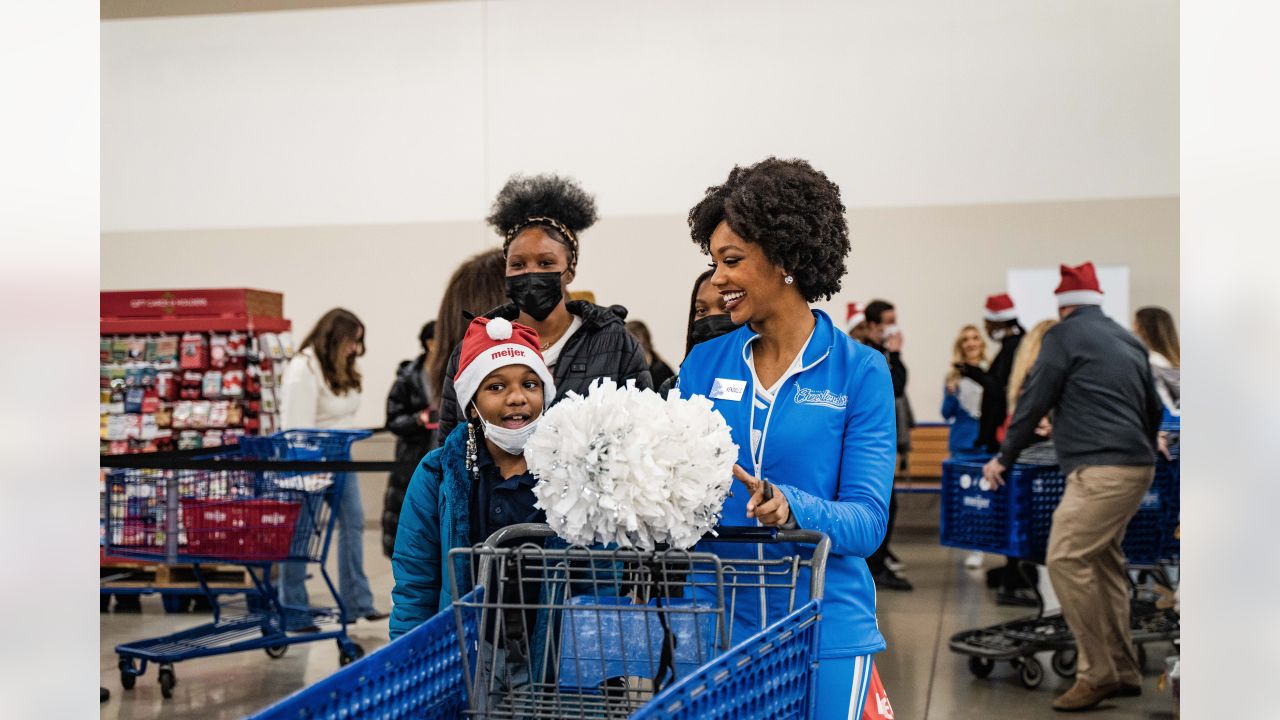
(829, 445)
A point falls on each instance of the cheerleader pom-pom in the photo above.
(624, 466)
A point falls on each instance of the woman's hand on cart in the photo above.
(765, 504)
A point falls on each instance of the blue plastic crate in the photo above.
(608, 637)
(769, 675)
(420, 675)
(1016, 519)
(993, 519)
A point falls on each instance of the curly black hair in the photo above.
(554, 200)
(792, 211)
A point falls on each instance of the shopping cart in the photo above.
(567, 632)
(1015, 520)
(254, 518)
(420, 676)
(539, 630)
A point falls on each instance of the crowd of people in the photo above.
(508, 342)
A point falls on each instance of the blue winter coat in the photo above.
(829, 445)
(433, 520)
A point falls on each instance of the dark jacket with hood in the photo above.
(408, 398)
(601, 348)
(995, 401)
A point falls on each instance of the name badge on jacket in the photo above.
(723, 389)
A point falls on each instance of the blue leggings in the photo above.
(842, 687)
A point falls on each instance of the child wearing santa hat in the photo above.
(477, 481)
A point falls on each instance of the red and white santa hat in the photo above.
(1079, 286)
(1000, 308)
(856, 314)
(491, 344)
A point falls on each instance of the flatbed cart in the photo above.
(539, 630)
(1015, 520)
(255, 518)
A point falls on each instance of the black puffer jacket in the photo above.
(601, 348)
(408, 398)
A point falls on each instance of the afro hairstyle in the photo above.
(559, 198)
(792, 211)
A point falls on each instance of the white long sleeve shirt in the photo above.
(308, 402)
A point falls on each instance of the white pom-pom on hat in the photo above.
(499, 329)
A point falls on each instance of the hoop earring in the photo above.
(788, 280)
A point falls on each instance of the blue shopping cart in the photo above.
(543, 631)
(255, 518)
(1015, 520)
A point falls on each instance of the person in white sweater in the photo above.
(321, 389)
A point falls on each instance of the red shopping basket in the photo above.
(242, 530)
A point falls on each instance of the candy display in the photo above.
(190, 390)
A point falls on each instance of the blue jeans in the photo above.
(353, 585)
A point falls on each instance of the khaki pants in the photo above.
(1087, 567)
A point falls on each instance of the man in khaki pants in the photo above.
(1095, 379)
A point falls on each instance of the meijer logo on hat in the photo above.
(507, 352)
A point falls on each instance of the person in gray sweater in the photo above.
(1095, 378)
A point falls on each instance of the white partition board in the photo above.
(1032, 292)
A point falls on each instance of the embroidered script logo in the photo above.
(980, 503)
(825, 398)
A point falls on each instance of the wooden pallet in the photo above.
(160, 576)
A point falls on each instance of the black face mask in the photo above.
(535, 293)
(712, 326)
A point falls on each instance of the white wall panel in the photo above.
(417, 113)
(368, 115)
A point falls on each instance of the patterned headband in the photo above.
(550, 222)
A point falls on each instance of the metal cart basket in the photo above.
(254, 518)
(541, 630)
(598, 633)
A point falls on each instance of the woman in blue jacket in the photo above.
(962, 395)
(811, 410)
(477, 481)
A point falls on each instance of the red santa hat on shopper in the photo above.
(491, 344)
(856, 314)
(1000, 308)
(1079, 286)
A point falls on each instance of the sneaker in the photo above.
(890, 580)
(973, 561)
(894, 563)
(377, 615)
(1021, 597)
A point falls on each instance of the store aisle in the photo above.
(925, 680)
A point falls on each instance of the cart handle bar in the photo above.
(820, 541)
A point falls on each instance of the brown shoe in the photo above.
(1083, 696)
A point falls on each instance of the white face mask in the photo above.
(999, 334)
(510, 441)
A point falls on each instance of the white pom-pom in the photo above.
(499, 329)
(624, 466)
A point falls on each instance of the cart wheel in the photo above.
(128, 677)
(276, 652)
(1141, 651)
(981, 667)
(349, 653)
(1063, 662)
(167, 681)
(1032, 673)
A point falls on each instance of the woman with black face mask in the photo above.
(707, 320)
(539, 219)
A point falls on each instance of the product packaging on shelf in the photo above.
(194, 352)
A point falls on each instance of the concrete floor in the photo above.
(924, 679)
